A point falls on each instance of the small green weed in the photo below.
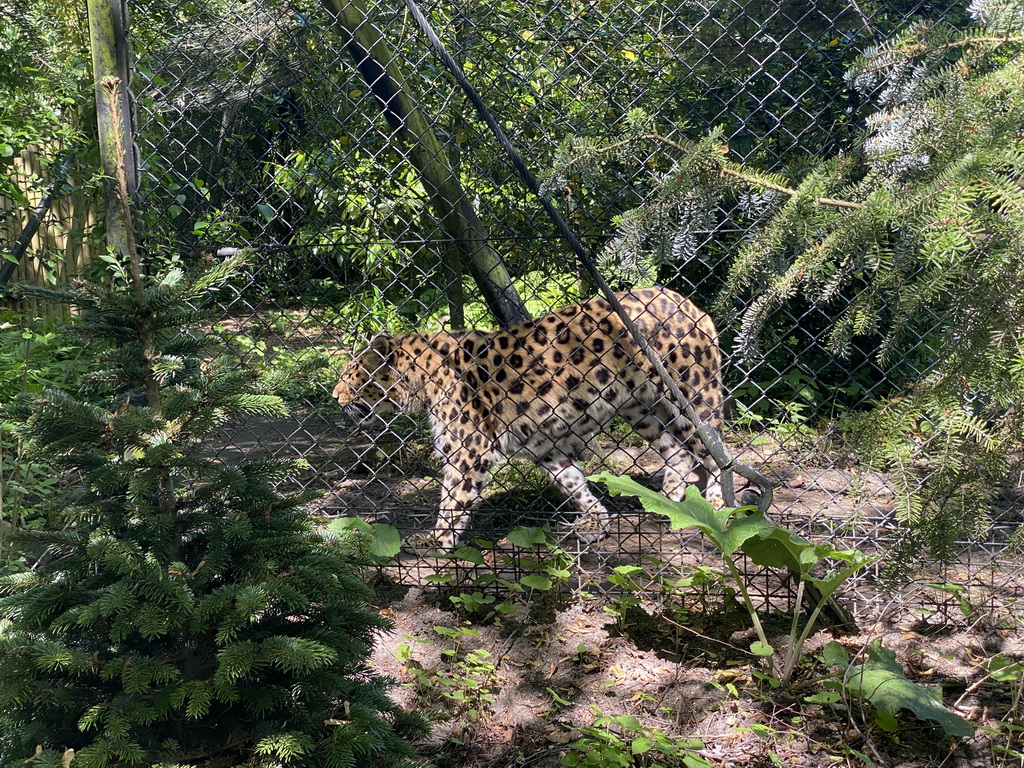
(622, 740)
(542, 568)
(790, 428)
(625, 577)
(466, 679)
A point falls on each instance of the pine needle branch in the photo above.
(686, 153)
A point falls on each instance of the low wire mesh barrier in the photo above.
(265, 125)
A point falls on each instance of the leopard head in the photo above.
(369, 384)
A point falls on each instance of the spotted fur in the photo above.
(542, 389)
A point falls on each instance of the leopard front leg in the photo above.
(460, 492)
(464, 477)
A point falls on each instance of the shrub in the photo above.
(180, 610)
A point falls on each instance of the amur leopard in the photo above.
(541, 390)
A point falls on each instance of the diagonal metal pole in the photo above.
(708, 435)
(414, 135)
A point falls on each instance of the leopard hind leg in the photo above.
(567, 475)
(673, 436)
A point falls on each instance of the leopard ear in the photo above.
(378, 352)
(383, 344)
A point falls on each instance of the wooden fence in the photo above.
(66, 240)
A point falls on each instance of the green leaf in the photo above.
(628, 722)
(778, 547)
(772, 680)
(527, 537)
(469, 554)
(640, 745)
(781, 548)
(15, 191)
(1004, 670)
(533, 581)
(344, 524)
(881, 681)
(386, 541)
(887, 722)
(728, 533)
(761, 649)
(834, 655)
(268, 211)
(832, 580)
(558, 699)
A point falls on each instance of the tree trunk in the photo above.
(412, 131)
(110, 62)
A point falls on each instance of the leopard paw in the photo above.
(424, 545)
(591, 528)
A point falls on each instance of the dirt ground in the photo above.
(513, 689)
(556, 668)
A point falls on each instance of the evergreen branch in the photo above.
(727, 169)
(758, 181)
(915, 49)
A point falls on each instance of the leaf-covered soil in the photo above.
(513, 689)
(552, 667)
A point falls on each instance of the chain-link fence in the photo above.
(331, 141)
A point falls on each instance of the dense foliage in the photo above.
(178, 610)
(271, 136)
(45, 85)
(32, 358)
(911, 240)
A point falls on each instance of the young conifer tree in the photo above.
(179, 610)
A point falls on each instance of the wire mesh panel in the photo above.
(385, 222)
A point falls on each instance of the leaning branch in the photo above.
(413, 134)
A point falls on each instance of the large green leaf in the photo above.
(832, 580)
(534, 581)
(881, 681)
(469, 555)
(720, 525)
(382, 540)
(386, 541)
(781, 548)
(528, 537)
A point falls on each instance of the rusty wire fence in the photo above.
(288, 128)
